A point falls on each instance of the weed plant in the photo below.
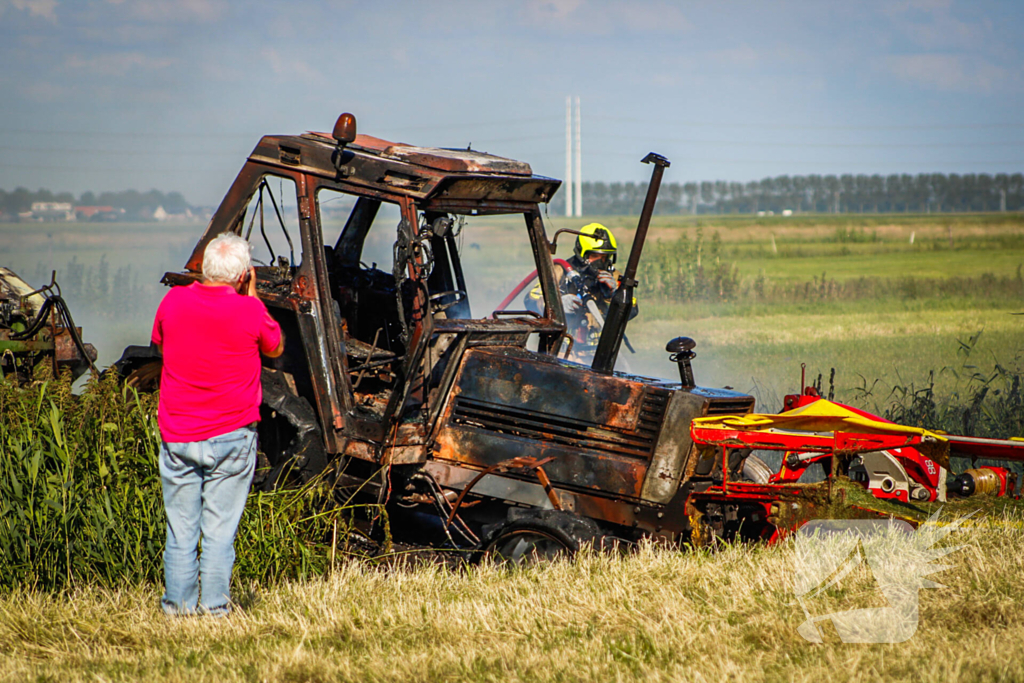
(685, 270)
(80, 498)
(81, 502)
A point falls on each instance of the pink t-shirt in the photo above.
(212, 337)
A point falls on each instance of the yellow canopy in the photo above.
(822, 416)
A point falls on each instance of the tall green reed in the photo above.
(81, 502)
(982, 400)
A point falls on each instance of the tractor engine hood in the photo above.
(616, 435)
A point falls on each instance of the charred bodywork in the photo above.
(473, 429)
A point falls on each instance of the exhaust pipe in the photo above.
(622, 301)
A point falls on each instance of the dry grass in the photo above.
(653, 615)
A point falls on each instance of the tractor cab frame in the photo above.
(474, 426)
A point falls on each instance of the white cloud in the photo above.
(291, 67)
(551, 10)
(37, 8)
(741, 55)
(115, 64)
(602, 17)
(175, 11)
(933, 26)
(946, 31)
(952, 73)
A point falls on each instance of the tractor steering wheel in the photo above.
(436, 300)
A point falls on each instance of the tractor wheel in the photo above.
(532, 536)
(528, 546)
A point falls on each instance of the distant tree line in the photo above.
(134, 203)
(924, 193)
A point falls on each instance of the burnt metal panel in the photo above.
(600, 430)
(555, 429)
(674, 446)
(492, 485)
(458, 160)
(510, 189)
(640, 516)
(543, 385)
(407, 171)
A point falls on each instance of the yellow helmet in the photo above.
(596, 239)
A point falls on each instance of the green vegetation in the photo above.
(80, 498)
(882, 311)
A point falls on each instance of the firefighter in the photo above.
(591, 280)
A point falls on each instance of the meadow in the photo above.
(921, 331)
(655, 615)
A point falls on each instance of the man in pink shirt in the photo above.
(211, 334)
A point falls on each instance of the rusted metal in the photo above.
(36, 326)
(548, 488)
(517, 463)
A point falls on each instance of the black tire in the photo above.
(532, 536)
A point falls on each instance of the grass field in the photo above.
(888, 315)
(656, 615)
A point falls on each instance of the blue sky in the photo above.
(117, 94)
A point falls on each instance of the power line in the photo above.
(826, 145)
(81, 169)
(247, 136)
(722, 124)
(117, 152)
(481, 124)
(682, 158)
(533, 138)
(819, 162)
(125, 134)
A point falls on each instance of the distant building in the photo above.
(51, 211)
(160, 214)
(97, 213)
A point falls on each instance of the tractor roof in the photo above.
(445, 175)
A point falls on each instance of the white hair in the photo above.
(226, 258)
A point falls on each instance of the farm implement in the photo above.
(36, 327)
(855, 449)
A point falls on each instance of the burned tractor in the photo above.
(476, 432)
(473, 430)
(36, 327)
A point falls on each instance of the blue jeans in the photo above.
(205, 484)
